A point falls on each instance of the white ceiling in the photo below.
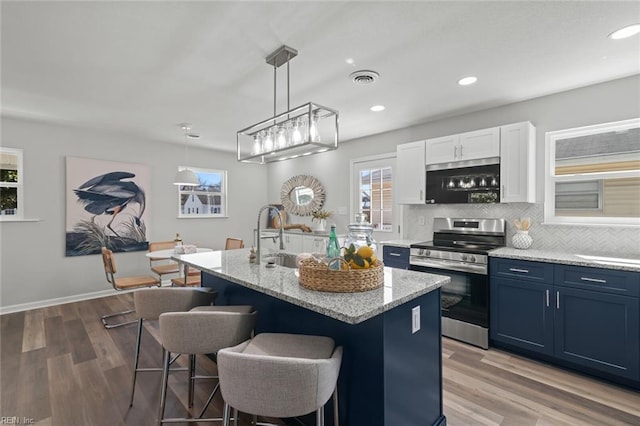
(141, 68)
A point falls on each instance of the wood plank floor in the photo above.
(60, 367)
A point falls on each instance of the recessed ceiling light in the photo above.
(350, 61)
(628, 31)
(467, 81)
(377, 108)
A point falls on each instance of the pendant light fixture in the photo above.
(307, 129)
(186, 176)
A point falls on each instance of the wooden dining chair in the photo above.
(193, 279)
(160, 265)
(122, 283)
(233, 243)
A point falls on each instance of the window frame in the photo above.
(386, 159)
(181, 190)
(551, 178)
(382, 190)
(19, 185)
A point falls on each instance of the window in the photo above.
(593, 174)
(11, 181)
(376, 197)
(209, 199)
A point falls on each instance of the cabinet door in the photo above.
(442, 150)
(410, 175)
(395, 257)
(314, 244)
(293, 243)
(521, 314)
(270, 243)
(483, 143)
(598, 330)
(517, 163)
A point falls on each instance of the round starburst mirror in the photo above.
(302, 195)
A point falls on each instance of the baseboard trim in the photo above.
(56, 301)
(62, 300)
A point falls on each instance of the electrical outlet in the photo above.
(342, 210)
(415, 319)
(421, 220)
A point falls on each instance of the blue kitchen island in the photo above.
(390, 374)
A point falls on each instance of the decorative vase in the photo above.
(522, 240)
(320, 227)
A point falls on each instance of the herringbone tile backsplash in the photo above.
(584, 239)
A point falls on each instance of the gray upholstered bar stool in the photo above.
(150, 303)
(280, 375)
(201, 331)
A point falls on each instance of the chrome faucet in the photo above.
(263, 208)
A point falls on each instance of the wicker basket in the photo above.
(317, 276)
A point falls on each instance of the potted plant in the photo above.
(321, 216)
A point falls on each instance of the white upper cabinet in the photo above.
(517, 163)
(410, 175)
(474, 145)
(483, 143)
(442, 150)
(514, 144)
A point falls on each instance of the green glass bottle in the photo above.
(333, 248)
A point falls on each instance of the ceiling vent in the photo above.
(364, 77)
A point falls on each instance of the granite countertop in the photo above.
(600, 260)
(400, 285)
(400, 243)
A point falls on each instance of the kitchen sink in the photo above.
(288, 260)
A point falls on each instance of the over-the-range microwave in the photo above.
(469, 182)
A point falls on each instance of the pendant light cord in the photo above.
(275, 74)
(186, 129)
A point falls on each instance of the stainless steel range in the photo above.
(459, 249)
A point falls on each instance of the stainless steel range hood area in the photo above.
(465, 182)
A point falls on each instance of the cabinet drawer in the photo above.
(397, 257)
(522, 270)
(597, 279)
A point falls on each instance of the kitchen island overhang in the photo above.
(390, 374)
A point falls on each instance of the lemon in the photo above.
(354, 265)
(365, 252)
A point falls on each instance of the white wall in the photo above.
(600, 103)
(32, 254)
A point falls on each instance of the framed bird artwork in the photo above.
(106, 206)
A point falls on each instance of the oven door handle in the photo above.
(462, 243)
(448, 265)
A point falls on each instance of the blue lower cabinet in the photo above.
(395, 257)
(521, 315)
(586, 318)
(599, 331)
